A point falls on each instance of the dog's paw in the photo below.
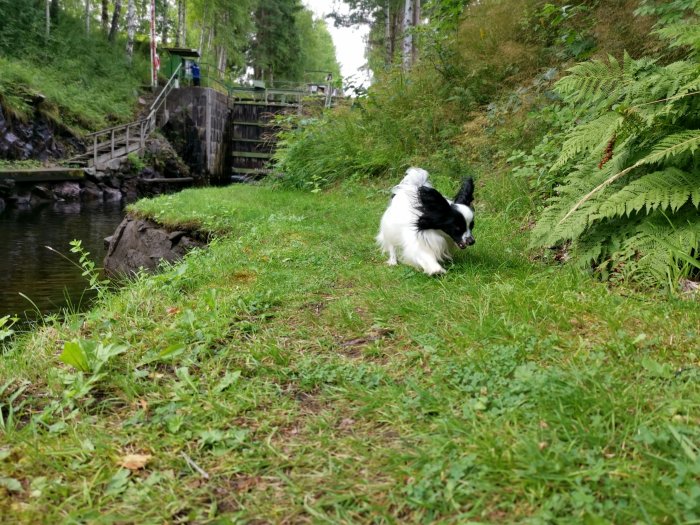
(392, 262)
(437, 271)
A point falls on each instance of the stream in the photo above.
(49, 281)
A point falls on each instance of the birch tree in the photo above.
(407, 44)
(48, 19)
(87, 16)
(130, 29)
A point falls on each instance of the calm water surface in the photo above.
(27, 266)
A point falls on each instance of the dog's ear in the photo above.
(466, 192)
(434, 209)
(432, 201)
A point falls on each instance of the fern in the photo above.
(669, 189)
(613, 193)
(587, 136)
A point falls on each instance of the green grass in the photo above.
(313, 383)
(87, 82)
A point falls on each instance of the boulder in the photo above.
(91, 192)
(139, 243)
(112, 194)
(67, 191)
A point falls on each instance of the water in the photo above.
(27, 266)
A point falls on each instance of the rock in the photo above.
(40, 192)
(91, 192)
(113, 164)
(67, 191)
(139, 243)
(7, 187)
(112, 194)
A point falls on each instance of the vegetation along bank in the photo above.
(285, 374)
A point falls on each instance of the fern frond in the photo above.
(589, 80)
(669, 189)
(682, 34)
(588, 137)
(679, 143)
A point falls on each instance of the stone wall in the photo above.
(38, 139)
(204, 113)
(120, 180)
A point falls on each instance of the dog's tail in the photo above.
(415, 178)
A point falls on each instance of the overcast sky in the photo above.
(349, 42)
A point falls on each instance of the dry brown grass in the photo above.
(490, 39)
(618, 30)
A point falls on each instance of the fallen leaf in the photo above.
(135, 461)
(172, 310)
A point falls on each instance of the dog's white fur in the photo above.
(400, 238)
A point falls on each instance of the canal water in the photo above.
(47, 279)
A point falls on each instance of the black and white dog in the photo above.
(420, 226)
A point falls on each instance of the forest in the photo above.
(281, 371)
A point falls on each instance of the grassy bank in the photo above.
(286, 374)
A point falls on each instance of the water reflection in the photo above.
(27, 266)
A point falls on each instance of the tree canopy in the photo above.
(276, 40)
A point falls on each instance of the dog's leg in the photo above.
(392, 255)
(429, 263)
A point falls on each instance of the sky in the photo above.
(349, 42)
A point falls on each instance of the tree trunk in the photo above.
(178, 27)
(164, 24)
(115, 20)
(87, 16)
(130, 29)
(105, 15)
(407, 47)
(416, 23)
(54, 11)
(184, 23)
(387, 35)
(48, 19)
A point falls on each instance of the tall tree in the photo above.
(115, 20)
(130, 29)
(318, 55)
(407, 44)
(275, 51)
(48, 19)
(164, 23)
(87, 16)
(105, 15)
(181, 29)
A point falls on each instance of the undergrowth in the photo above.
(86, 81)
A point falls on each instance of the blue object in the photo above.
(195, 74)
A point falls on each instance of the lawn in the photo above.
(287, 375)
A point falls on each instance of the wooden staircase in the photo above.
(118, 141)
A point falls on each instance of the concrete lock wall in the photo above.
(208, 110)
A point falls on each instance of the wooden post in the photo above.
(112, 144)
(127, 138)
(94, 150)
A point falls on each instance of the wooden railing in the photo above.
(119, 141)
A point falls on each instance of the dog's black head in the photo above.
(456, 219)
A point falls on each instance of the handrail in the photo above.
(121, 134)
(166, 89)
